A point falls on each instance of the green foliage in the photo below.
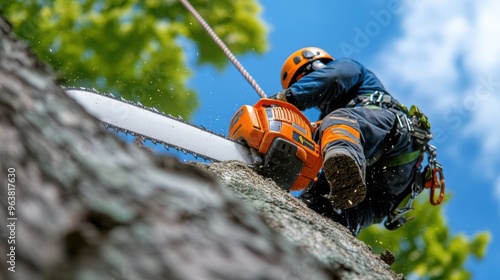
(134, 48)
(425, 247)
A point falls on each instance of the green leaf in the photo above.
(132, 48)
(425, 246)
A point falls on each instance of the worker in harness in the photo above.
(372, 145)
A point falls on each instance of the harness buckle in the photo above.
(378, 98)
(411, 124)
(397, 218)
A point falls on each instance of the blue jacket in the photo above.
(334, 86)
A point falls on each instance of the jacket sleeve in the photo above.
(326, 85)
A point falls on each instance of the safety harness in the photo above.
(417, 126)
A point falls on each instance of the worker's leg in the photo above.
(348, 137)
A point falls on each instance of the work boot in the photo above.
(346, 179)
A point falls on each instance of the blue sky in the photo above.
(441, 55)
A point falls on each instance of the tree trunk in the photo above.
(85, 205)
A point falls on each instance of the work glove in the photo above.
(279, 96)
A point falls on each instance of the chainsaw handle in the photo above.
(268, 102)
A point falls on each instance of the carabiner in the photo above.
(437, 181)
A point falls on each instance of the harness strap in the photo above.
(374, 100)
(401, 159)
(397, 160)
(379, 100)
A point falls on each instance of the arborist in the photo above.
(372, 145)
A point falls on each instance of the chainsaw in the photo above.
(272, 136)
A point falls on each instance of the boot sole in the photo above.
(347, 190)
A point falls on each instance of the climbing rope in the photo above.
(224, 48)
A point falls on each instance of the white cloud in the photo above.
(425, 58)
(483, 63)
(497, 188)
(482, 48)
(448, 61)
(446, 53)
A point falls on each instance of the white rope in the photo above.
(224, 48)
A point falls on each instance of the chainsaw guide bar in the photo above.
(159, 128)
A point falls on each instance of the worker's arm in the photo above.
(325, 85)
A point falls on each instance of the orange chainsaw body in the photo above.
(283, 139)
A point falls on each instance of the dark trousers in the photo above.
(365, 132)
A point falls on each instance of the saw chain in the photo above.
(145, 138)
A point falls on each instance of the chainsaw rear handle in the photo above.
(268, 102)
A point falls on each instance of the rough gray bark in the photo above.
(89, 206)
(328, 242)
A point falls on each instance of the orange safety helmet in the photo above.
(296, 63)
